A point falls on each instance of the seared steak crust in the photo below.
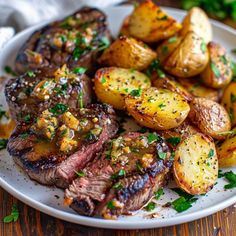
(23, 101)
(128, 185)
(45, 163)
(75, 40)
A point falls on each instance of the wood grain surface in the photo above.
(33, 223)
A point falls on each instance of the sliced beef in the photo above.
(123, 178)
(55, 147)
(33, 92)
(75, 40)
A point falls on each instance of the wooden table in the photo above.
(34, 223)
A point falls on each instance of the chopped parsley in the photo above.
(231, 114)
(233, 98)
(211, 153)
(117, 186)
(90, 136)
(103, 80)
(80, 173)
(203, 46)
(9, 70)
(80, 70)
(24, 135)
(110, 205)
(13, 217)
(27, 118)
(174, 141)
(3, 143)
(136, 92)
(165, 17)
(63, 38)
(150, 206)
(164, 50)
(153, 138)
(162, 155)
(172, 39)
(61, 90)
(143, 130)
(231, 177)
(2, 113)
(30, 73)
(215, 69)
(120, 173)
(233, 50)
(155, 66)
(58, 109)
(161, 106)
(77, 53)
(159, 193)
(223, 59)
(104, 43)
(139, 167)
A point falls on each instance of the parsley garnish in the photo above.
(80, 70)
(152, 138)
(172, 39)
(90, 136)
(77, 53)
(150, 206)
(58, 109)
(30, 73)
(9, 70)
(3, 143)
(233, 50)
(104, 43)
(174, 141)
(80, 173)
(165, 17)
(27, 118)
(120, 173)
(233, 98)
(161, 106)
(103, 80)
(2, 113)
(231, 177)
(203, 46)
(118, 186)
(13, 217)
(110, 205)
(215, 69)
(159, 193)
(223, 59)
(164, 49)
(155, 66)
(162, 155)
(211, 153)
(136, 92)
(139, 167)
(24, 135)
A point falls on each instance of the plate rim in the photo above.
(101, 223)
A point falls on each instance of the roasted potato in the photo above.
(197, 21)
(210, 117)
(195, 164)
(124, 30)
(227, 151)
(128, 52)
(150, 24)
(197, 89)
(218, 72)
(172, 85)
(159, 109)
(112, 84)
(189, 58)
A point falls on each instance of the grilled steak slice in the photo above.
(75, 41)
(127, 173)
(59, 143)
(33, 92)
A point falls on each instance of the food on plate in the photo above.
(151, 24)
(229, 101)
(210, 117)
(128, 53)
(195, 164)
(189, 58)
(61, 141)
(76, 41)
(197, 21)
(169, 83)
(123, 178)
(218, 72)
(112, 84)
(197, 89)
(124, 30)
(33, 92)
(159, 109)
(226, 151)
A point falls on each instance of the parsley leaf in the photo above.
(161, 106)
(172, 39)
(215, 69)
(117, 186)
(162, 155)
(30, 73)
(233, 98)
(174, 141)
(9, 70)
(58, 109)
(150, 206)
(13, 216)
(104, 43)
(211, 153)
(182, 193)
(110, 205)
(231, 177)
(80, 173)
(203, 46)
(80, 70)
(2, 113)
(120, 173)
(153, 138)
(181, 204)
(103, 80)
(223, 59)
(3, 143)
(136, 92)
(159, 193)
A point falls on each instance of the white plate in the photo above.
(50, 200)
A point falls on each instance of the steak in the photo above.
(75, 41)
(58, 144)
(123, 177)
(30, 94)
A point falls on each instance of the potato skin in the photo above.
(198, 22)
(218, 72)
(189, 58)
(196, 89)
(112, 84)
(128, 52)
(210, 117)
(227, 151)
(195, 164)
(150, 24)
(229, 101)
(158, 109)
(172, 85)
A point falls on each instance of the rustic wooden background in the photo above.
(34, 223)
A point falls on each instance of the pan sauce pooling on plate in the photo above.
(166, 75)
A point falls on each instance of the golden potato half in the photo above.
(195, 164)
(229, 101)
(227, 151)
(150, 24)
(112, 84)
(210, 117)
(198, 22)
(159, 109)
(218, 72)
(128, 52)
